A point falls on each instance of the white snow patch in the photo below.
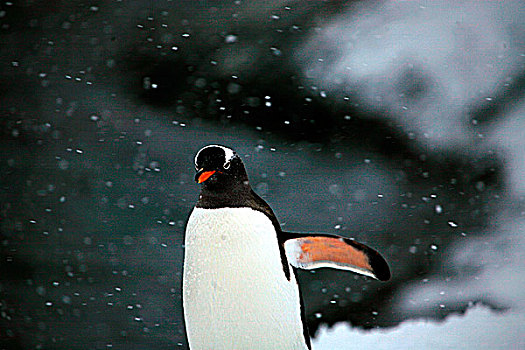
(501, 331)
(425, 63)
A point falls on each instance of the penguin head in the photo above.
(216, 164)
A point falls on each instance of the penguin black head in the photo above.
(217, 165)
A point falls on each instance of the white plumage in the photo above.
(235, 292)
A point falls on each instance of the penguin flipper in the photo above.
(312, 251)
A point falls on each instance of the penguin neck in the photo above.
(230, 192)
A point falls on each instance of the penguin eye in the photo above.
(227, 165)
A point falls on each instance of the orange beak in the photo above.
(205, 176)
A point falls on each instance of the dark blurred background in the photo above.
(398, 123)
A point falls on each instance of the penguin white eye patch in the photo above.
(228, 155)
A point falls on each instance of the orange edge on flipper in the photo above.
(315, 249)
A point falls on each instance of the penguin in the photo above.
(239, 286)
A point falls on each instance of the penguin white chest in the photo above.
(235, 292)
